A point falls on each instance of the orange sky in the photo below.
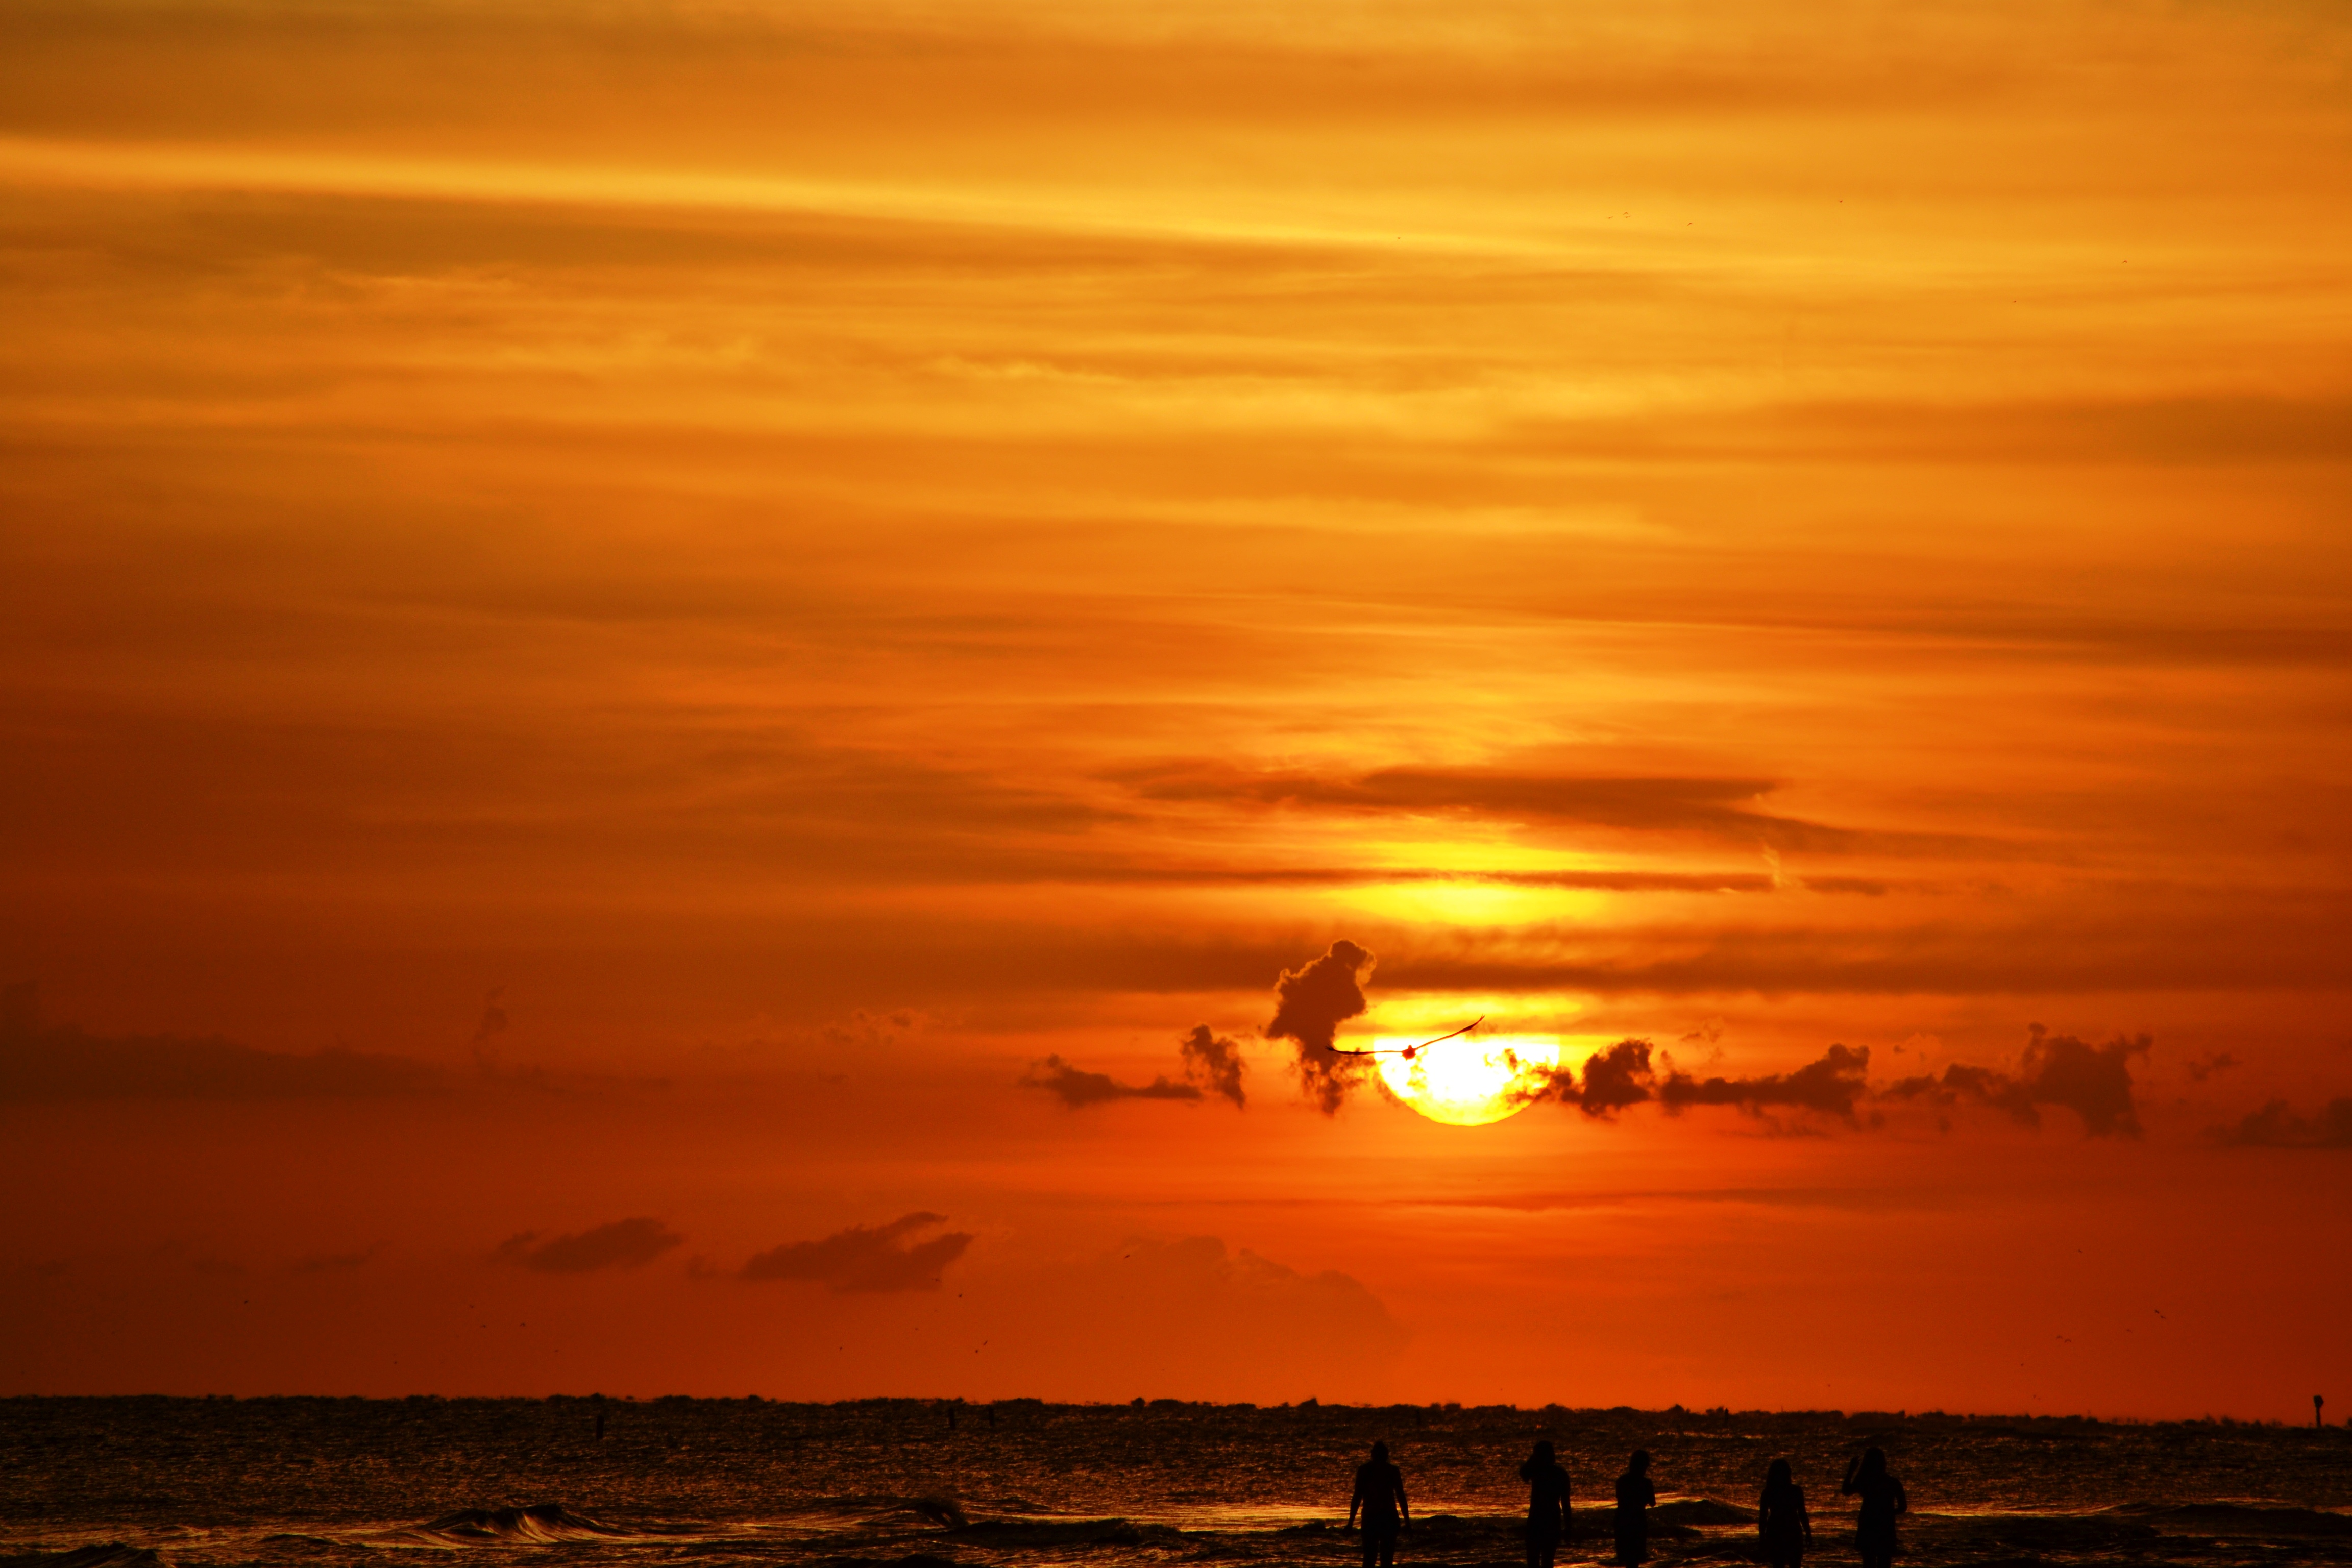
(694, 589)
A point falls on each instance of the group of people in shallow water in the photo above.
(1780, 1516)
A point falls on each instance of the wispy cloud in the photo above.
(42, 1061)
(2276, 1126)
(867, 1258)
(1211, 1065)
(622, 1244)
(1076, 1087)
(1215, 1063)
(2213, 1062)
(1719, 809)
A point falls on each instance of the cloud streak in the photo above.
(2092, 1081)
(63, 1062)
(2275, 1126)
(1831, 1085)
(866, 1257)
(1212, 1065)
(622, 1244)
(1077, 1087)
(1720, 809)
(1623, 1076)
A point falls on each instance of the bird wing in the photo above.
(1408, 1050)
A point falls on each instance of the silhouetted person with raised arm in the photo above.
(1883, 1503)
(1634, 1497)
(1547, 1505)
(1782, 1519)
(1380, 1493)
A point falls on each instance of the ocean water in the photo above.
(131, 1483)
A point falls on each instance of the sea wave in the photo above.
(543, 1523)
(2238, 1519)
(109, 1554)
(938, 1507)
(1016, 1533)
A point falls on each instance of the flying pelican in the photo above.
(1411, 1051)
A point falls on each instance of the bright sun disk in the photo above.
(1470, 1080)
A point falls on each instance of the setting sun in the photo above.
(754, 695)
(1471, 1080)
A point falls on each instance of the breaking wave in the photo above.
(542, 1524)
(112, 1554)
(2238, 1519)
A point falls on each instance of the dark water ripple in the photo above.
(164, 1483)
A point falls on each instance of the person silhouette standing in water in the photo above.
(1380, 1493)
(1634, 1497)
(1547, 1505)
(1782, 1519)
(1883, 1503)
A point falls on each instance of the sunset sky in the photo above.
(657, 656)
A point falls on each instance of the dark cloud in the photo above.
(1212, 1060)
(1315, 1001)
(1076, 1087)
(2095, 1082)
(2092, 1081)
(624, 1244)
(59, 1061)
(2206, 1066)
(1623, 1076)
(1613, 1079)
(493, 1024)
(2277, 1127)
(870, 1031)
(1831, 1085)
(1212, 1063)
(867, 1258)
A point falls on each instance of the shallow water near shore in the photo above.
(130, 1483)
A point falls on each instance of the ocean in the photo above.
(137, 1482)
